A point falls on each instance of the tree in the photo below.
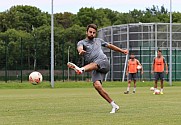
(2, 54)
(64, 19)
(24, 17)
(176, 17)
(11, 41)
(3, 24)
(86, 16)
(101, 18)
(156, 14)
(137, 15)
(70, 37)
(111, 15)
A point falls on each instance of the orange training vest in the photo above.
(159, 64)
(133, 66)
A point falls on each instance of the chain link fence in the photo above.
(142, 39)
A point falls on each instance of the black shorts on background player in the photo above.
(159, 75)
(132, 76)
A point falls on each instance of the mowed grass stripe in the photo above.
(78, 84)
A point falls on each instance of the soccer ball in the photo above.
(35, 78)
(152, 89)
(157, 92)
(139, 67)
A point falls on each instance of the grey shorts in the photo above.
(159, 75)
(103, 68)
(132, 76)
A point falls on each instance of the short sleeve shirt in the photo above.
(93, 49)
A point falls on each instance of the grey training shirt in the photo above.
(93, 49)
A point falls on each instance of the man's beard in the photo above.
(90, 37)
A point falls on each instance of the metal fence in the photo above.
(143, 39)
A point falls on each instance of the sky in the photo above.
(73, 6)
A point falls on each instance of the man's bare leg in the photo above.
(101, 91)
(155, 86)
(128, 88)
(161, 86)
(86, 68)
(104, 94)
(90, 67)
(134, 90)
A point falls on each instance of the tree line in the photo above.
(25, 32)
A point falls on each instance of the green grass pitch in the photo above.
(77, 103)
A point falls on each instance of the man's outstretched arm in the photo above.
(117, 49)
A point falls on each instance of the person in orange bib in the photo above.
(131, 72)
(158, 66)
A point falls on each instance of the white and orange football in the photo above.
(139, 67)
(35, 78)
(157, 92)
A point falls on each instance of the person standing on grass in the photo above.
(158, 66)
(131, 72)
(98, 63)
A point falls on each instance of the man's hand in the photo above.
(82, 52)
(127, 73)
(125, 52)
(152, 72)
(142, 72)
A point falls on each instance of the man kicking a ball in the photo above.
(90, 48)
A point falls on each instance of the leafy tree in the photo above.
(149, 17)
(156, 14)
(86, 16)
(111, 15)
(64, 19)
(101, 18)
(176, 17)
(70, 37)
(137, 15)
(24, 17)
(163, 10)
(12, 39)
(2, 54)
(3, 24)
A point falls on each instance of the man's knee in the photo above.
(97, 85)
